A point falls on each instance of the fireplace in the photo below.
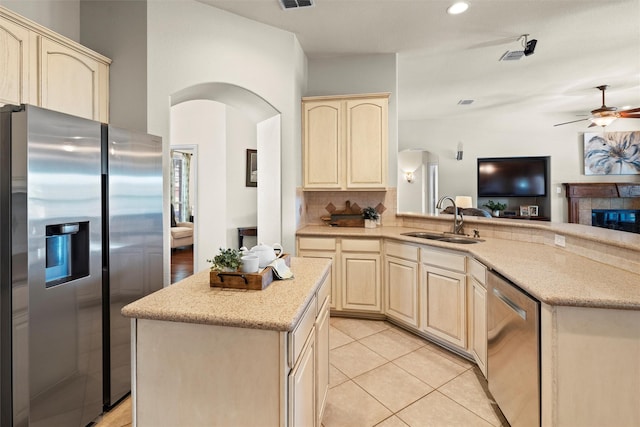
(610, 205)
(617, 219)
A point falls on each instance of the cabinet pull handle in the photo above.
(512, 305)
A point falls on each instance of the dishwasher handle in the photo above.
(512, 305)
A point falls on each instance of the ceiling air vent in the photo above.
(512, 55)
(295, 4)
(465, 102)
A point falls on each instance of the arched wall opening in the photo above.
(224, 121)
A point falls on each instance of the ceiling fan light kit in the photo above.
(602, 121)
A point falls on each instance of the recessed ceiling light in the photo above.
(458, 8)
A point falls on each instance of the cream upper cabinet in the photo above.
(345, 142)
(322, 148)
(401, 282)
(43, 68)
(443, 289)
(15, 45)
(71, 82)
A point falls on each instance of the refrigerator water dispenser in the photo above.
(67, 254)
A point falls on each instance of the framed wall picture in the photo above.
(251, 178)
(611, 153)
(533, 211)
(524, 211)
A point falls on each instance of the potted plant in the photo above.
(228, 260)
(371, 217)
(495, 207)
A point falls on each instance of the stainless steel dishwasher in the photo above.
(513, 351)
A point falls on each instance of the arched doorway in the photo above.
(220, 119)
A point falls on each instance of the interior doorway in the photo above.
(183, 199)
(226, 121)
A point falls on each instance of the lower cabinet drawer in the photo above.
(478, 271)
(299, 336)
(443, 259)
(324, 292)
(401, 250)
(361, 245)
(317, 243)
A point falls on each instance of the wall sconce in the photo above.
(409, 177)
(409, 162)
(459, 152)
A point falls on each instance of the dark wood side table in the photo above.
(246, 231)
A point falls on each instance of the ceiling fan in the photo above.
(604, 115)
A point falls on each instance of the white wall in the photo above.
(191, 43)
(487, 135)
(360, 74)
(241, 202)
(269, 182)
(203, 123)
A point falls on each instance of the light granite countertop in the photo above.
(277, 307)
(552, 275)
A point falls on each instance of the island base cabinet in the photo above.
(589, 366)
(302, 383)
(192, 374)
(322, 359)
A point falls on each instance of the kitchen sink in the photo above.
(443, 237)
(425, 235)
(460, 239)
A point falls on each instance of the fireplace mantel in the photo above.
(576, 191)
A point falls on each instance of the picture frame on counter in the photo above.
(533, 210)
(251, 178)
(524, 211)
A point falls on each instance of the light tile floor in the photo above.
(381, 375)
(384, 376)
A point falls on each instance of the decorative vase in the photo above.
(496, 213)
(369, 223)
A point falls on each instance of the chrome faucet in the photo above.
(457, 226)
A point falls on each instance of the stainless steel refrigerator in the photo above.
(62, 273)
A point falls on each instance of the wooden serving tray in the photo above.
(239, 280)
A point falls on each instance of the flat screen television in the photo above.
(512, 177)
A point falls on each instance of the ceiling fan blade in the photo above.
(573, 121)
(634, 113)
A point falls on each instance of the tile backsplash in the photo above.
(312, 204)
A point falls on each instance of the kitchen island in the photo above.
(588, 289)
(220, 357)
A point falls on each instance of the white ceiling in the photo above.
(443, 59)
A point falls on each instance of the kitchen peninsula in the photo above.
(218, 357)
(586, 279)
